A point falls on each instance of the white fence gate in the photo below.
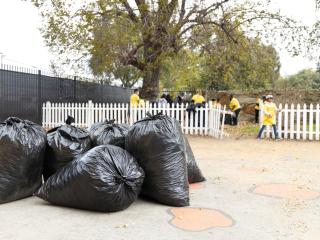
(300, 122)
(205, 121)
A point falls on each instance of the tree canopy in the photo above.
(314, 41)
(250, 64)
(305, 79)
(141, 35)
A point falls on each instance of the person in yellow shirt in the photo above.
(135, 99)
(235, 108)
(269, 117)
(198, 98)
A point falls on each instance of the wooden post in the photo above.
(317, 111)
(298, 134)
(280, 121)
(304, 122)
(292, 122)
(311, 122)
(286, 113)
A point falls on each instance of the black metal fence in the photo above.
(23, 91)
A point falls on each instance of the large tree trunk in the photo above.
(150, 88)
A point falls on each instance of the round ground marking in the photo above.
(288, 191)
(199, 219)
(196, 185)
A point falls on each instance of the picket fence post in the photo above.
(187, 120)
(48, 115)
(286, 121)
(298, 134)
(311, 122)
(317, 122)
(223, 119)
(90, 114)
(304, 122)
(280, 121)
(292, 121)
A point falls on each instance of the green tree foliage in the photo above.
(314, 41)
(128, 75)
(143, 34)
(249, 64)
(223, 65)
(305, 79)
(182, 72)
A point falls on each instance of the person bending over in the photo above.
(235, 108)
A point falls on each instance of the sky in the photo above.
(22, 44)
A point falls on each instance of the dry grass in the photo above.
(243, 130)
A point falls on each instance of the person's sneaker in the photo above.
(278, 139)
(259, 139)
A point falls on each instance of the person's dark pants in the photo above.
(257, 115)
(235, 117)
(274, 130)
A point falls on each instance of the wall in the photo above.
(22, 93)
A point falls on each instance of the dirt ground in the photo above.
(254, 190)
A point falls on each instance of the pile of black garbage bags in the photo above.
(104, 168)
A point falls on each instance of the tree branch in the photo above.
(130, 11)
(130, 58)
(143, 9)
(182, 10)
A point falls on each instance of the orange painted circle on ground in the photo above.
(199, 219)
(288, 191)
(195, 185)
(253, 170)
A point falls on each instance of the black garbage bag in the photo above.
(108, 132)
(107, 179)
(194, 172)
(158, 145)
(64, 144)
(22, 148)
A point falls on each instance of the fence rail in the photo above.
(205, 121)
(299, 122)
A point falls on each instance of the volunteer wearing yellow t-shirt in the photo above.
(198, 98)
(269, 117)
(235, 108)
(135, 99)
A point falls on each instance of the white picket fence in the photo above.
(299, 122)
(206, 121)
